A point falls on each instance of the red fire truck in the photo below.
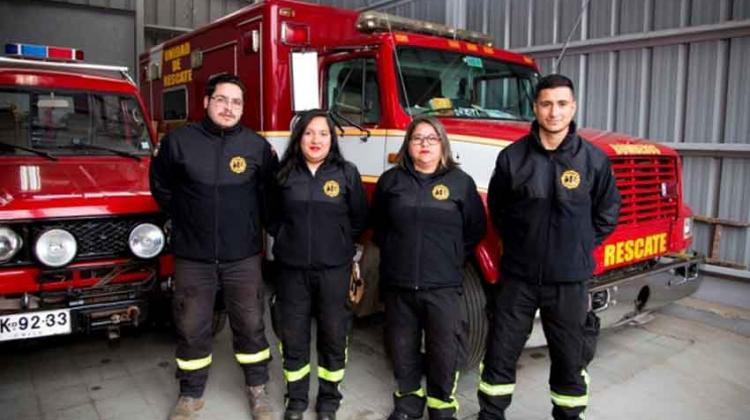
(375, 72)
(81, 240)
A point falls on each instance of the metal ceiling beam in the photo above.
(383, 3)
(164, 29)
(733, 150)
(711, 32)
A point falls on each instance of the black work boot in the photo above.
(293, 415)
(326, 415)
(397, 415)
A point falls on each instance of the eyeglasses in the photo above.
(430, 140)
(224, 101)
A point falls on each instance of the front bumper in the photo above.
(618, 300)
(100, 316)
(622, 297)
(119, 296)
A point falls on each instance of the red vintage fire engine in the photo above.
(375, 72)
(81, 240)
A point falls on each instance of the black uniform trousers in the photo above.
(439, 314)
(563, 309)
(196, 285)
(323, 295)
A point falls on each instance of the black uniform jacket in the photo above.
(212, 182)
(552, 208)
(318, 217)
(425, 226)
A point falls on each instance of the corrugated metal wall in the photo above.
(166, 18)
(57, 23)
(669, 70)
(111, 4)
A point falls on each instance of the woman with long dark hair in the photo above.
(427, 218)
(320, 210)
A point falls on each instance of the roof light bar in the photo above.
(369, 22)
(44, 52)
(122, 71)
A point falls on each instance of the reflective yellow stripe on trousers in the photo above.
(494, 390)
(296, 375)
(247, 358)
(572, 401)
(194, 364)
(438, 404)
(419, 393)
(330, 376)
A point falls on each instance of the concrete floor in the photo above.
(670, 368)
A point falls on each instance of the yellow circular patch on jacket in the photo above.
(331, 188)
(441, 192)
(570, 179)
(238, 164)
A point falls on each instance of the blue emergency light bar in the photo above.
(43, 52)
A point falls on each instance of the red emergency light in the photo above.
(44, 52)
(296, 34)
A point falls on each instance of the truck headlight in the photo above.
(687, 228)
(146, 240)
(56, 247)
(10, 243)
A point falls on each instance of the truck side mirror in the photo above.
(305, 93)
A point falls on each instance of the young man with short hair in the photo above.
(552, 199)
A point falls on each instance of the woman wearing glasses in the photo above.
(427, 217)
(321, 209)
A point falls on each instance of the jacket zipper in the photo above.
(418, 224)
(218, 150)
(309, 218)
(551, 196)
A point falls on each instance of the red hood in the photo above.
(487, 129)
(606, 139)
(71, 186)
(511, 131)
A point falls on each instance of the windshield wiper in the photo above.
(430, 110)
(337, 118)
(42, 153)
(77, 145)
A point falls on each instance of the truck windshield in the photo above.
(71, 123)
(453, 84)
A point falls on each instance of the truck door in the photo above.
(352, 91)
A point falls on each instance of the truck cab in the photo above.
(81, 240)
(374, 72)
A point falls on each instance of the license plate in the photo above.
(34, 324)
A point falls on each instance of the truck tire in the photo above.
(369, 265)
(474, 305)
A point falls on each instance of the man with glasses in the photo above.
(211, 178)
